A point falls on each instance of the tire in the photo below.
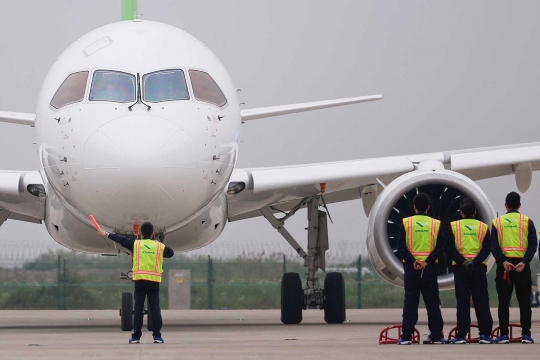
(334, 294)
(149, 323)
(126, 312)
(292, 299)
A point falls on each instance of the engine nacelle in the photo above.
(446, 189)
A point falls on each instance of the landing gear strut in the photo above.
(331, 299)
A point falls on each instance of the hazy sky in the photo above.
(454, 74)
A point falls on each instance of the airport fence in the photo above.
(66, 280)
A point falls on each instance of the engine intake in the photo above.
(446, 189)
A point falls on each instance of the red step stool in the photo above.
(497, 332)
(470, 339)
(385, 339)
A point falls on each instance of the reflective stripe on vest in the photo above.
(421, 235)
(148, 260)
(468, 236)
(513, 234)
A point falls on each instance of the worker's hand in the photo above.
(102, 233)
(469, 266)
(519, 267)
(417, 265)
(423, 264)
(508, 266)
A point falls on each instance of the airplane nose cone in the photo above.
(138, 166)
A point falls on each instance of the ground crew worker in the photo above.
(513, 244)
(147, 268)
(468, 251)
(418, 246)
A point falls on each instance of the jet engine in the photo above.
(446, 189)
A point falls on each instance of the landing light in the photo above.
(36, 190)
(236, 187)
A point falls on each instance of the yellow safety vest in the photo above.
(421, 235)
(513, 233)
(468, 236)
(148, 260)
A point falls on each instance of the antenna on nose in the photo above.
(129, 10)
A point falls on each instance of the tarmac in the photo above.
(234, 334)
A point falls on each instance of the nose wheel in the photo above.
(126, 312)
(126, 309)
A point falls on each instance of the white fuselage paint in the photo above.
(169, 165)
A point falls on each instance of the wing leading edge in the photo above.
(282, 187)
(17, 118)
(252, 114)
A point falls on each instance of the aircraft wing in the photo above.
(283, 187)
(260, 113)
(22, 196)
(17, 118)
(22, 193)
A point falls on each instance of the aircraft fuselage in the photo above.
(126, 158)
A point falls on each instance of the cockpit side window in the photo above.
(166, 85)
(71, 91)
(113, 86)
(206, 89)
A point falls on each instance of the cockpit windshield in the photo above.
(71, 91)
(166, 85)
(206, 89)
(114, 86)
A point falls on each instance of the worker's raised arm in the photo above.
(168, 252)
(125, 242)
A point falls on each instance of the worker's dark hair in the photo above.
(147, 229)
(421, 202)
(467, 207)
(513, 200)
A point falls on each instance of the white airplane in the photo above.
(139, 121)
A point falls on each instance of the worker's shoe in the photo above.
(485, 340)
(458, 340)
(527, 339)
(404, 342)
(438, 342)
(158, 340)
(134, 341)
(503, 339)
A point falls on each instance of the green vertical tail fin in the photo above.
(129, 9)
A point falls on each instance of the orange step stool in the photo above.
(497, 332)
(470, 339)
(385, 339)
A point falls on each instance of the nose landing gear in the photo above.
(294, 299)
(126, 310)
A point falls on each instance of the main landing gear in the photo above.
(126, 310)
(294, 298)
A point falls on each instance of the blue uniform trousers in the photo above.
(472, 283)
(146, 289)
(417, 282)
(522, 282)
